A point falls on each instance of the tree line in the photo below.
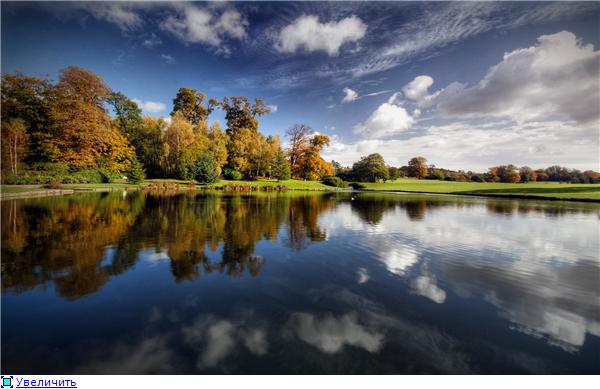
(373, 168)
(65, 131)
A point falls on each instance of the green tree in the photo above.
(128, 116)
(394, 173)
(190, 103)
(417, 167)
(240, 113)
(281, 167)
(205, 169)
(135, 174)
(370, 168)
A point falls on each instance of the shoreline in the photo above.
(488, 195)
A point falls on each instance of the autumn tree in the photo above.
(241, 147)
(14, 143)
(299, 136)
(182, 148)
(311, 166)
(527, 174)
(370, 168)
(217, 145)
(417, 167)
(504, 173)
(85, 136)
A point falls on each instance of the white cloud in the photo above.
(120, 14)
(192, 24)
(349, 95)
(388, 119)
(331, 334)
(273, 108)
(152, 41)
(558, 75)
(309, 34)
(417, 88)
(426, 286)
(168, 58)
(362, 275)
(475, 146)
(150, 106)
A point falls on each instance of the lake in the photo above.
(299, 283)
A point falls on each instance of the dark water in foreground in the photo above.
(299, 283)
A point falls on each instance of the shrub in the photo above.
(357, 185)
(334, 181)
(54, 185)
(56, 168)
(206, 169)
(231, 174)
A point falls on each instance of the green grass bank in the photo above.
(536, 190)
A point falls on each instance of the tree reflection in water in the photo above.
(79, 242)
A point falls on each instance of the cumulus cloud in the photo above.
(193, 24)
(426, 286)
(476, 146)
(330, 334)
(388, 119)
(273, 108)
(309, 34)
(558, 75)
(150, 106)
(217, 338)
(349, 95)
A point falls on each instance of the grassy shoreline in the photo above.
(537, 191)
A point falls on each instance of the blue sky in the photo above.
(467, 85)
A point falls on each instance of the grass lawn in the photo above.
(548, 190)
(535, 189)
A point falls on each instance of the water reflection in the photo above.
(296, 283)
(79, 242)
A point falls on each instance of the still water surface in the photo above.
(299, 283)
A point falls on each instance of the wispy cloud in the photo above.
(168, 59)
(152, 41)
